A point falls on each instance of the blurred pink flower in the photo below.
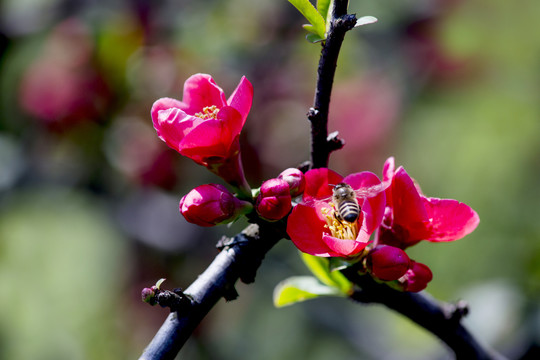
(411, 217)
(212, 204)
(313, 227)
(62, 86)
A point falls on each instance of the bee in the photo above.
(345, 199)
(346, 205)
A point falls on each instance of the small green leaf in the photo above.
(301, 288)
(159, 282)
(313, 38)
(312, 15)
(365, 20)
(320, 267)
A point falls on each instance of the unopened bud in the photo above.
(148, 295)
(387, 263)
(416, 278)
(295, 179)
(274, 200)
(212, 204)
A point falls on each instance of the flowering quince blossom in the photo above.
(274, 199)
(411, 217)
(313, 227)
(212, 204)
(205, 126)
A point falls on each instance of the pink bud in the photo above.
(416, 278)
(212, 204)
(387, 262)
(148, 296)
(295, 179)
(274, 200)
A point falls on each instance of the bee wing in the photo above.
(313, 201)
(371, 191)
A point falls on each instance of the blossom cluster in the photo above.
(394, 210)
(384, 218)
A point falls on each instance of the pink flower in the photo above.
(274, 200)
(295, 179)
(315, 230)
(387, 262)
(212, 204)
(411, 217)
(416, 278)
(205, 126)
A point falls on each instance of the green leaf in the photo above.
(312, 15)
(320, 267)
(365, 20)
(313, 38)
(323, 7)
(301, 288)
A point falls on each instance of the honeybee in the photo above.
(345, 199)
(346, 205)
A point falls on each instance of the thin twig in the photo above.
(239, 258)
(441, 319)
(321, 144)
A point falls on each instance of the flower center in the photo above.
(208, 112)
(339, 229)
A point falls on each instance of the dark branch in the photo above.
(321, 144)
(239, 258)
(442, 319)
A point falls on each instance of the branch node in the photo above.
(334, 142)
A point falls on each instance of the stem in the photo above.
(239, 259)
(321, 144)
(442, 319)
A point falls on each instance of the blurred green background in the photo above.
(89, 195)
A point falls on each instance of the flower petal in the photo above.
(408, 207)
(449, 219)
(242, 98)
(173, 124)
(200, 90)
(344, 247)
(318, 181)
(305, 228)
(212, 138)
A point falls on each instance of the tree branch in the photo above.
(239, 258)
(442, 319)
(321, 144)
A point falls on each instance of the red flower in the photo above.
(274, 200)
(411, 217)
(312, 225)
(212, 204)
(205, 126)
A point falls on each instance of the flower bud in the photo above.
(416, 278)
(212, 204)
(148, 295)
(295, 179)
(274, 200)
(387, 262)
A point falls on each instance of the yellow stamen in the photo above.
(339, 229)
(208, 112)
